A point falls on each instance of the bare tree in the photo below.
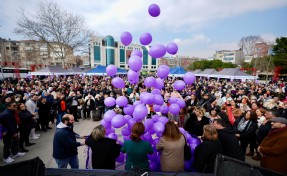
(64, 32)
(248, 43)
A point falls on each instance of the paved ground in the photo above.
(44, 146)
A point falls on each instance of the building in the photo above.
(234, 56)
(106, 51)
(261, 49)
(183, 61)
(248, 59)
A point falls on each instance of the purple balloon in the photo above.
(163, 71)
(151, 131)
(148, 98)
(106, 124)
(148, 123)
(158, 134)
(136, 103)
(126, 38)
(180, 103)
(158, 100)
(150, 82)
(172, 100)
(142, 94)
(126, 131)
(159, 83)
(157, 51)
(189, 78)
(158, 127)
(129, 109)
(145, 39)
(156, 92)
(127, 118)
(118, 82)
(182, 130)
(153, 157)
(163, 120)
(154, 10)
(164, 109)
(155, 118)
(171, 48)
(122, 101)
(131, 123)
(140, 112)
(113, 136)
(109, 101)
(126, 138)
(121, 158)
(109, 115)
(111, 70)
(174, 109)
(133, 77)
(179, 85)
(155, 141)
(137, 53)
(118, 121)
(156, 108)
(153, 166)
(109, 131)
(135, 63)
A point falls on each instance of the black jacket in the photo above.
(104, 152)
(69, 101)
(263, 132)
(26, 119)
(9, 122)
(205, 155)
(195, 127)
(249, 133)
(230, 144)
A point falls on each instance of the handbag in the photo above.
(187, 151)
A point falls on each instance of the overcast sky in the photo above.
(199, 27)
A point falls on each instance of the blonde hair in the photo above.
(200, 110)
(209, 132)
(98, 132)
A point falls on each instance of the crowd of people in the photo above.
(227, 115)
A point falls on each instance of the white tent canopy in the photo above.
(51, 70)
(206, 72)
(232, 73)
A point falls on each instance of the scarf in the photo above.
(242, 124)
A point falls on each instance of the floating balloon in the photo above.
(140, 112)
(156, 108)
(122, 101)
(155, 118)
(118, 82)
(159, 83)
(126, 131)
(145, 39)
(148, 123)
(156, 92)
(171, 48)
(131, 123)
(174, 109)
(126, 138)
(189, 78)
(154, 10)
(182, 130)
(109, 115)
(109, 101)
(157, 51)
(150, 82)
(126, 38)
(129, 109)
(153, 166)
(135, 63)
(180, 103)
(142, 95)
(111, 70)
(133, 77)
(118, 121)
(137, 53)
(106, 124)
(163, 120)
(164, 109)
(158, 127)
(163, 71)
(113, 136)
(148, 98)
(158, 100)
(179, 85)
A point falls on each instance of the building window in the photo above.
(97, 53)
(122, 55)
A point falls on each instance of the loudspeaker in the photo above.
(226, 166)
(33, 167)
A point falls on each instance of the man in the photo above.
(72, 103)
(31, 106)
(226, 135)
(10, 133)
(274, 146)
(65, 144)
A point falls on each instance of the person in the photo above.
(205, 153)
(194, 125)
(43, 113)
(89, 106)
(26, 123)
(245, 130)
(31, 106)
(72, 105)
(104, 150)
(65, 144)
(171, 145)
(9, 131)
(226, 136)
(137, 149)
(62, 108)
(273, 147)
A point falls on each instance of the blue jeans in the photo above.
(73, 161)
(59, 117)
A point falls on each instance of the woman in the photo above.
(191, 103)
(137, 149)
(197, 120)
(205, 153)
(104, 150)
(89, 106)
(183, 117)
(260, 116)
(43, 112)
(171, 145)
(245, 130)
(26, 123)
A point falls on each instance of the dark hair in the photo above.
(253, 115)
(137, 131)
(221, 122)
(18, 106)
(66, 117)
(9, 103)
(171, 132)
(274, 112)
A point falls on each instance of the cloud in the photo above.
(269, 38)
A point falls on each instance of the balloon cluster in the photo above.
(138, 111)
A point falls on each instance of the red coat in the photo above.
(274, 150)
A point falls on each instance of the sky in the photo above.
(199, 27)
